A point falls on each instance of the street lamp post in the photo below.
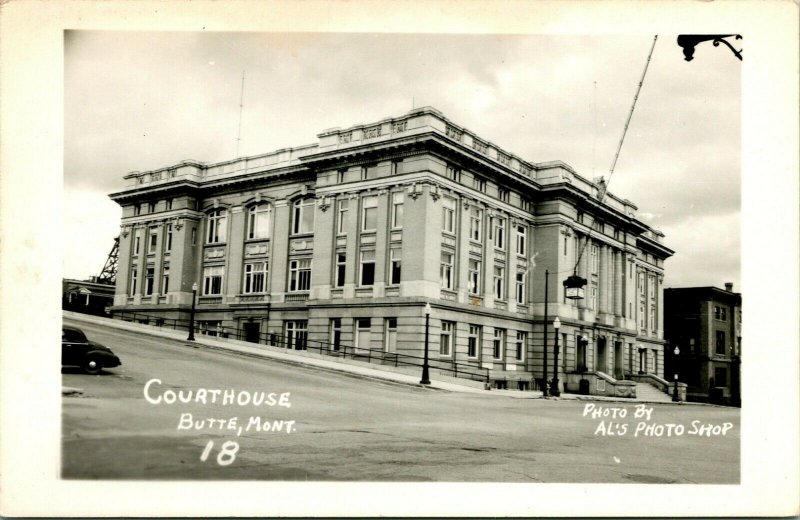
(554, 391)
(426, 380)
(191, 316)
(544, 382)
(675, 388)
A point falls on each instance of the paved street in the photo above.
(350, 428)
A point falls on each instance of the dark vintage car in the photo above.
(77, 350)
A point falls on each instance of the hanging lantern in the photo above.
(573, 286)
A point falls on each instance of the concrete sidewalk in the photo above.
(352, 367)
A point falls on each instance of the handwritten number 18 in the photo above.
(226, 455)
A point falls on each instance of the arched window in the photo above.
(217, 225)
(303, 216)
(259, 221)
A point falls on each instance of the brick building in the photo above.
(705, 323)
(344, 241)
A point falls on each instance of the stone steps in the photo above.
(647, 392)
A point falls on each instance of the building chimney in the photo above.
(729, 287)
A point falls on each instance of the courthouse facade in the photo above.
(345, 241)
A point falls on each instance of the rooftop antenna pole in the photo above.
(241, 107)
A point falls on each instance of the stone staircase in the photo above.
(647, 392)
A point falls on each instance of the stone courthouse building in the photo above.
(344, 241)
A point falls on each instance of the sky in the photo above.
(137, 101)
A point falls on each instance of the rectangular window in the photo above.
(137, 210)
(151, 207)
(397, 210)
(258, 221)
(394, 268)
(369, 216)
(134, 274)
(446, 271)
(474, 273)
(217, 226)
(363, 335)
(594, 258)
(502, 194)
(475, 223)
(168, 244)
(454, 173)
(593, 298)
(341, 265)
(300, 275)
(297, 335)
(136, 241)
(367, 268)
(521, 288)
(168, 204)
(212, 280)
(255, 277)
(340, 176)
(720, 313)
(480, 184)
(448, 215)
(652, 317)
(336, 334)
(499, 232)
(165, 280)
(391, 335)
(497, 343)
(446, 339)
(342, 221)
(369, 172)
(519, 346)
(474, 340)
(565, 246)
(152, 242)
(499, 282)
(720, 343)
(194, 236)
(149, 277)
(521, 244)
(303, 216)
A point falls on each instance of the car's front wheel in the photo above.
(92, 365)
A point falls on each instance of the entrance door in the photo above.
(252, 331)
(602, 362)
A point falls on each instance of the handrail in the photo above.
(368, 354)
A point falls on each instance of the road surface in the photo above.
(351, 428)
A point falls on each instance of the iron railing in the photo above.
(302, 343)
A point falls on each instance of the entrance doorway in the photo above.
(618, 370)
(252, 331)
(602, 361)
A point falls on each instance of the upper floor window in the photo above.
(475, 223)
(152, 243)
(594, 260)
(454, 173)
(448, 215)
(480, 184)
(212, 279)
(579, 218)
(446, 271)
(498, 343)
(137, 210)
(397, 209)
(168, 242)
(342, 217)
(367, 268)
(168, 204)
(720, 313)
(474, 276)
(474, 340)
(255, 277)
(149, 278)
(499, 232)
(217, 226)
(521, 237)
(165, 280)
(520, 287)
(134, 274)
(340, 176)
(369, 172)
(300, 275)
(258, 221)
(396, 264)
(341, 267)
(499, 282)
(369, 216)
(519, 346)
(502, 193)
(720, 343)
(151, 207)
(303, 216)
